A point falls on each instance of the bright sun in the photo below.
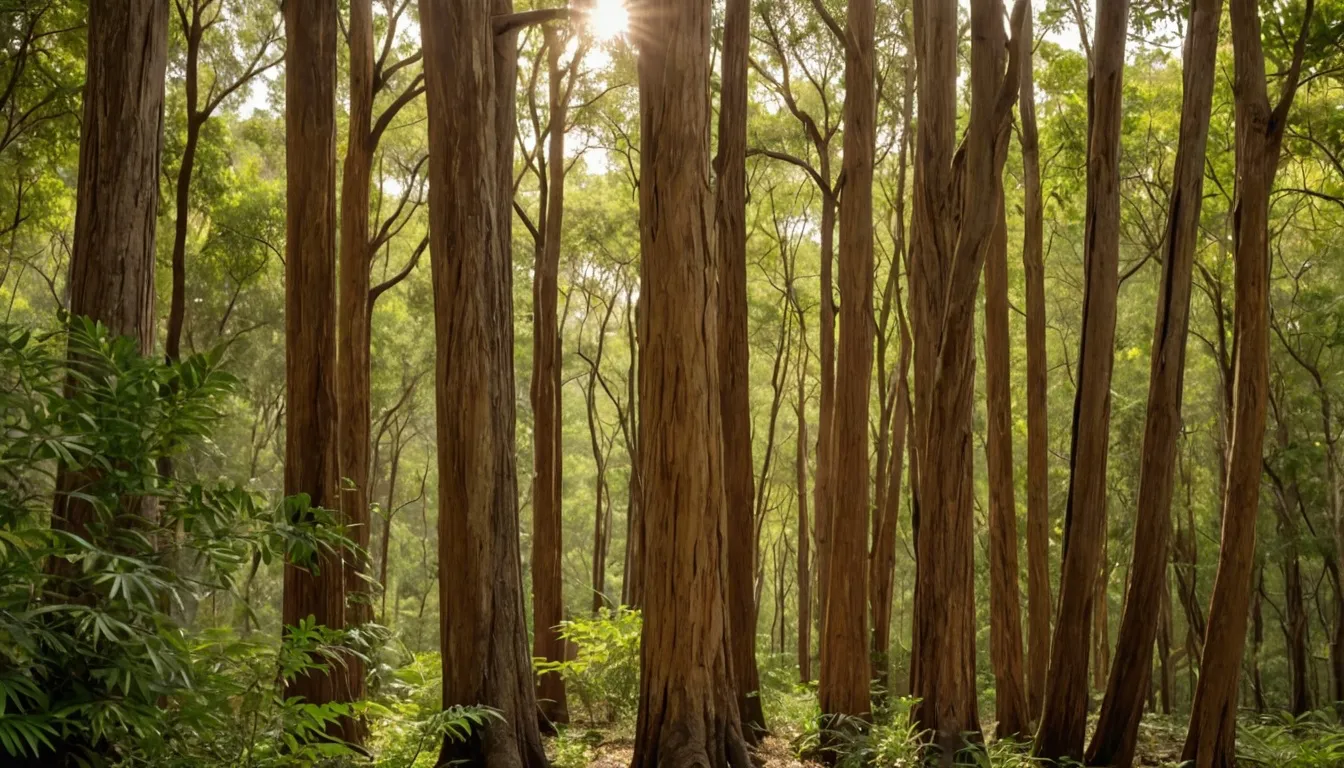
(608, 19)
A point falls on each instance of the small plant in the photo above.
(604, 674)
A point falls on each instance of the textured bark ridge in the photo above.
(1064, 714)
(953, 238)
(844, 665)
(112, 262)
(353, 324)
(688, 713)
(547, 549)
(1211, 739)
(730, 223)
(484, 635)
(310, 307)
(1038, 385)
(1114, 740)
(1005, 623)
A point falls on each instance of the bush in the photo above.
(604, 675)
(96, 664)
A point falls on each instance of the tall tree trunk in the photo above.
(1211, 739)
(844, 672)
(1038, 385)
(1164, 646)
(1064, 714)
(112, 263)
(483, 632)
(687, 703)
(730, 225)
(311, 420)
(1005, 623)
(352, 321)
(1257, 639)
(954, 227)
(633, 587)
(804, 527)
(1113, 742)
(821, 487)
(547, 519)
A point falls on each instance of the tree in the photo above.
(943, 668)
(687, 703)
(1211, 738)
(730, 225)
(1117, 730)
(1005, 623)
(819, 135)
(369, 77)
(483, 631)
(547, 550)
(112, 262)
(1038, 385)
(844, 673)
(231, 62)
(310, 300)
(1064, 714)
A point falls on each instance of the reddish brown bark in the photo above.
(844, 672)
(944, 665)
(1211, 739)
(1005, 623)
(112, 262)
(687, 703)
(547, 545)
(1064, 714)
(352, 323)
(1114, 740)
(804, 532)
(483, 632)
(311, 436)
(730, 224)
(1038, 385)
(111, 276)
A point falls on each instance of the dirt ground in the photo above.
(774, 753)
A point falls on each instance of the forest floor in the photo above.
(774, 753)
(1278, 741)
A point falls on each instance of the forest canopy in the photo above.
(525, 383)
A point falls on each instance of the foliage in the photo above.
(1313, 740)
(604, 674)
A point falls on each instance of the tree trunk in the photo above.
(944, 665)
(883, 562)
(547, 519)
(804, 528)
(1211, 739)
(483, 632)
(111, 276)
(1038, 385)
(311, 433)
(1005, 623)
(1113, 742)
(112, 263)
(352, 321)
(1164, 646)
(687, 703)
(844, 669)
(1064, 714)
(730, 224)
(821, 487)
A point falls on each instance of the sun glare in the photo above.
(608, 19)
